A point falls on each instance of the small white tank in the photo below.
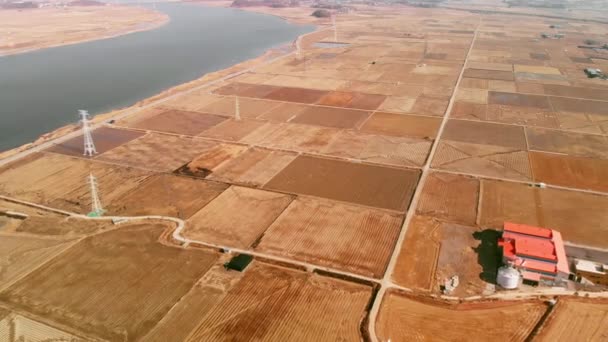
(508, 278)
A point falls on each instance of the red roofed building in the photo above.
(537, 252)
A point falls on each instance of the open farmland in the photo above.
(158, 152)
(167, 195)
(61, 181)
(405, 318)
(268, 300)
(15, 327)
(579, 216)
(576, 319)
(323, 232)
(434, 251)
(105, 139)
(22, 254)
(237, 217)
(115, 285)
(371, 185)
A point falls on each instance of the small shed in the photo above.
(239, 262)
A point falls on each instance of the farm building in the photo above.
(592, 271)
(538, 253)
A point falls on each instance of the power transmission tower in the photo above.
(333, 20)
(298, 48)
(237, 109)
(89, 145)
(96, 208)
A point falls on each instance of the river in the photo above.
(43, 90)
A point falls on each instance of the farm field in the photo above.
(105, 139)
(434, 251)
(268, 300)
(404, 318)
(323, 232)
(158, 152)
(141, 280)
(370, 185)
(576, 319)
(237, 217)
(167, 195)
(61, 181)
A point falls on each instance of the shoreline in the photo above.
(164, 19)
(204, 80)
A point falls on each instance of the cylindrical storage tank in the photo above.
(508, 278)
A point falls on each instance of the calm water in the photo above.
(42, 90)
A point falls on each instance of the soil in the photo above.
(485, 133)
(237, 217)
(482, 160)
(405, 318)
(293, 137)
(22, 254)
(576, 319)
(209, 160)
(179, 122)
(575, 144)
(323, 232)
(573, 172)
(375, 186)
(579, 92)
(512, 99)
(115, 285)
(564, 104)
(337, 99)
(450, 197)
(167, 195)
(402, 125)
(298, 95)
(61, 181)
(331, 117)
(159, 152)
(232, 129)
(105, 139)
(255, 167)
(578, 216)
(269, 299)
(489, 74)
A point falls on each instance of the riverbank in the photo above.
(34, 29)
(204, 79)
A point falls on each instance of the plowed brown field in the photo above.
(159, 152)
(576, 320)
(404, 318)
(115, 285)
(576, 144)
(167, 195)
(402, 125)
(370, 185)
(450, 197)
(254, 167)
(331, 117)
(179, 122)
(569, 171)
(61, 181)
(580, 217)
(237, 217)
(105, 139)
(324, 232)
(271, 303)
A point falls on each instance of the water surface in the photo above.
(43, 90)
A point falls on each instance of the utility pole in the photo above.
(89, 145)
